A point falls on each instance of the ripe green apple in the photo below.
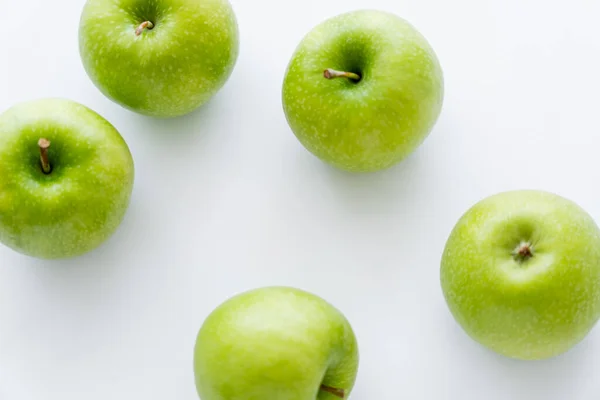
(363, 90)
(67, 176)
(521, 273)
(161, 58)
(275, 343)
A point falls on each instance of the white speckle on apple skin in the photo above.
(169, 70)
(377, 122)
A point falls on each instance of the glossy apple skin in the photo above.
(169, 70)
(527, 310)
(274, 343)
(82, 201)
(374, 123)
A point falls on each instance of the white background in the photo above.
(227, 200)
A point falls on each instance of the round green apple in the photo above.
(67, 176)
(363, 90)
(521, 273)
(275, 343)
(162, 58)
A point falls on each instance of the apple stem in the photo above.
(143, 25)
(523, 252)
(332, 73)
(334, 391)
(44, 144)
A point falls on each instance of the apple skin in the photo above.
(169, 70)
(532, 309)
(275, 343)
(376, 122)
(83, 199)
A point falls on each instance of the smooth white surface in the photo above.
(226, 200)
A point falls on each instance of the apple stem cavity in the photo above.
(144, 25)
(332, 73)
(44, 144)
(334, 391)
(523, 252)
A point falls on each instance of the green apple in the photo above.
(521, 273)
(363, 90)
(162, 58)
(67, 177)
(275, 343)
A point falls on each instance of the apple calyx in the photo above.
(334, 391)
(332, 73)
(44, 144)
(523, 252)
(144, 25)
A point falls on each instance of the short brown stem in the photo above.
(143, 25)
(334, 391)
(523, 252)
(44, 144)
(332, 73)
